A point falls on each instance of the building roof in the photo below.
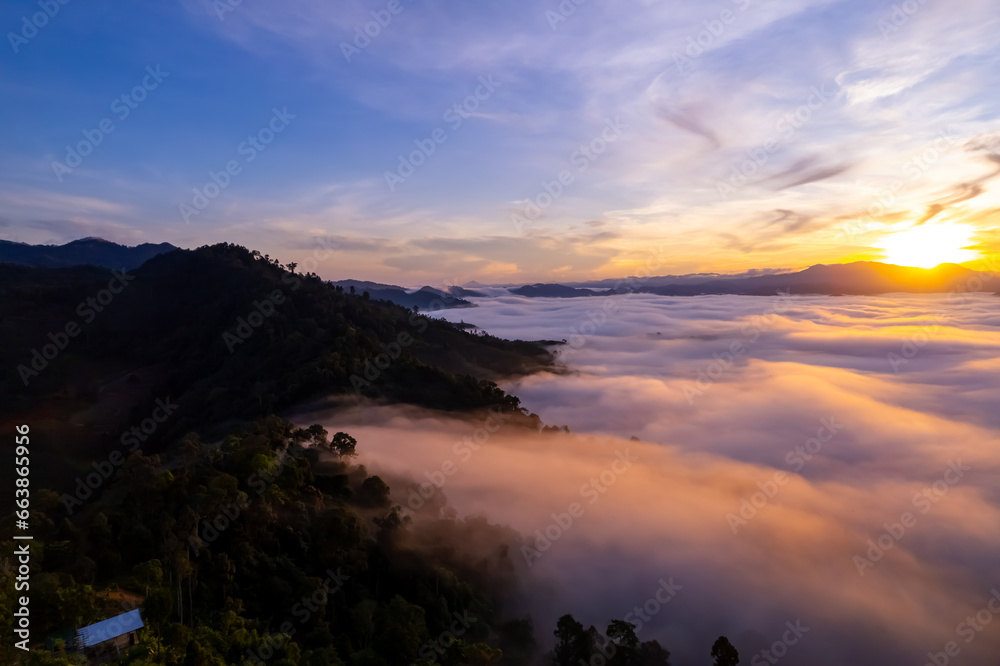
(105, 630)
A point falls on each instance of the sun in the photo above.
(929, 245)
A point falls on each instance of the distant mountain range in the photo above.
(553, 291)
(665, 280)
(424, 299)
(860, 278)
(84, 252)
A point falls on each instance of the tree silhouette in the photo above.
(651, 653)
(343, 444)
(623, 633)
(574, 644)
(622, 646)
(317, 434)
(724, 653)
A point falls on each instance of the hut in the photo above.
(109, 637)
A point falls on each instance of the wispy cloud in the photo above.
(838, 104)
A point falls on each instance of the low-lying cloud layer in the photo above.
(818, 475)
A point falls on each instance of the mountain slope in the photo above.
(225, 335)
(425, 298)
(83, 252)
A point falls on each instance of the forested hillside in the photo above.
(270, 546)
(224, 334)
(242, 537)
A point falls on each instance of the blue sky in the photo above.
(903, 97)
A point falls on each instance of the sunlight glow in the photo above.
(929, 245)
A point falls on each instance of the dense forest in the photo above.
(272, 546)
(242, 537)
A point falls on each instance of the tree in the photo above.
(317, 434)
(344, 445)
(651, 653)
(575, 644)
(569, 632)
(480, 654)
(374, 492)
(622, 648)
(400, 630)
(623, 633)
(724, 653)
(148, 574)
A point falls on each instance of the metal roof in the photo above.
(105, 630)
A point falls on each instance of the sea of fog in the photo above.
(817, 477)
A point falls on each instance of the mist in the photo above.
(812, 476)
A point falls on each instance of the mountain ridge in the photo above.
(853, 278)
(227, 335)
(862, 278)
(89, 251)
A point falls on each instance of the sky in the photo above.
(434, 142)
(839, 470)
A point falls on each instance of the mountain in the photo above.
(464, 292)
(664, 280)
(163, 476)
(552, 291)
(228, 336)
(165, 479)
(859, 278)
(83, 252)
(424, 299)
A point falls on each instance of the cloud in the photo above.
(963, 191)
(808, 362)
(790, 221)
(774, 231)
(807, 170)
(690, 121)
